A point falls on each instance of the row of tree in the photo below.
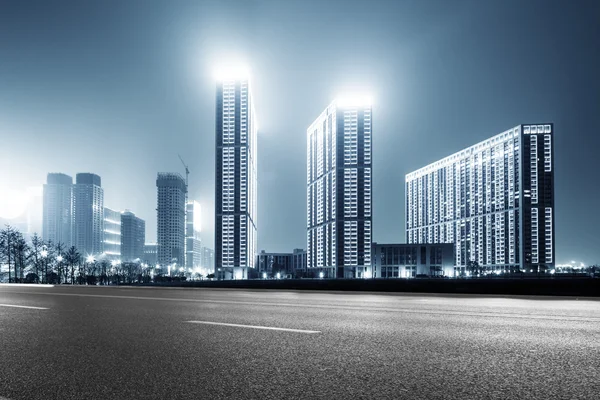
(39, 261)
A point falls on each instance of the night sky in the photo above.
(119, 88)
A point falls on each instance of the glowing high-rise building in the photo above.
(339, 195)
(235, 179)
(193, 243)
(58, 209)
(493, 200)
(88, 214)
(170, 213)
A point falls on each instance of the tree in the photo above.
(22, 255)
(7, 240)
(38, 253)
(72, 258)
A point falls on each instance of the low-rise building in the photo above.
(401, 260)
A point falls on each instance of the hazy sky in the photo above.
(119, 88)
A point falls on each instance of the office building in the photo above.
(133, 237)
(57, 209)
(207, 262)
(88, 214)
(493, 200)
(273, 263)
(170, 209)
(299, 263)
(235, 179)
(151, 254)
(411, 260)
(112, 234)
(338, 195)
(193, 243)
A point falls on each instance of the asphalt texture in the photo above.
(138, 343)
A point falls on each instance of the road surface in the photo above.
(161, 343)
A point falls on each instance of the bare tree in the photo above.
(72, 258)
(7, 240)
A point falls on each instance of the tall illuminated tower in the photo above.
(58, 209)
(235, 179)
(338, 193)
(493, 200)
(170, 218)
(88, 214)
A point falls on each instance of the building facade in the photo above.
(493, 200)
(411, 260)
(235, 179)
(88, 214)
(112, 234)
(193, 243)
(170, 210)
(133, 237)
(339, 190)
(299, 263)
(208, 259)
(58, 209)
(151, 254)
(273, 263)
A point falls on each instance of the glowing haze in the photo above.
(120, 88)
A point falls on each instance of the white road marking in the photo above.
(271, 328)
(333, 307)
(31, 307)
(36, 285)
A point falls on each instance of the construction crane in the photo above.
(185, 213)
(187, 173)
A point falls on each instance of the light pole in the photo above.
(44, 254)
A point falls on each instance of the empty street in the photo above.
(161, 343)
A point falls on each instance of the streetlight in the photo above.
(321, 274)
(264, 275)
(278, 275)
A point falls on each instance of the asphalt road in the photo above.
(139, 343)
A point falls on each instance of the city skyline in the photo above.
(400, 147)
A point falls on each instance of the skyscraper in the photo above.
(235, 179)
(493, 200)
(133, 237)
(57, 209)
(170, 210)
(112, 234)
(338, 193)
(88, 214)
(193, 244)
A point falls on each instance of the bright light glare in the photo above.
(13, 203)
(232, 72)
(90, 259)
(264, 275)
(354, 101)
(278, 275)
(44, 253)
(368, 274)
(59, 258)
(321, 274)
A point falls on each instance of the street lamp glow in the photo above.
(321, 274)
(278, 275)
(44, 253)
(59, 258)
(264, 275)
(368, 274)
(90, 259)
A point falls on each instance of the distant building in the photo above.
(208, 260)
(272, 263)
(112, 234)
(410, 260)
(151, 254)
(338, 191)
(57, 209)
(299, 262)
(35, 211)
(133, 237)
(88, 214)
(493, 200)
(171, 192)
(235, 179)
(193, 244)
